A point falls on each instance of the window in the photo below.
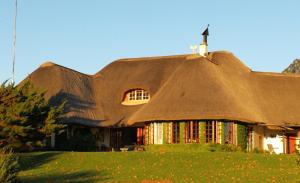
(135, 97)
(162, 132)
(192, 132)
(146, 95)
(195, 133)
(213, 132)
(139, 94)
(228, 132)
(175, 133)
(132, 96)
(172, 132)
(210, 132)
(158, 133)
(154, 133)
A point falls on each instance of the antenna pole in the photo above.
(14, 41)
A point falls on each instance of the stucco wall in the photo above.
(276, 139)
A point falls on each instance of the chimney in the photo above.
(203, 50)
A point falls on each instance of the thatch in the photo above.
(183, 87)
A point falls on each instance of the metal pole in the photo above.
(14, 41)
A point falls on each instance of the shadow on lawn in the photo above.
(76, 177)
(32, 160)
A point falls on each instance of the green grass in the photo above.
(190, 166)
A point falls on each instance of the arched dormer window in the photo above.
(136, 97)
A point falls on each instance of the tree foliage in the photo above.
(26, 118)
(293, 67)
(9, 166)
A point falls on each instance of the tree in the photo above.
(26, 118)
(9, 166)
(293, 67)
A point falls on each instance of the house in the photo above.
(211, 97)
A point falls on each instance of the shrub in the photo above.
(256, 150)
(298, 157)
(8, 166)
(231, 148)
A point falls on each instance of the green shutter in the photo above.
(202, 137)
(181, 126)
(151, 133)
(242, 136)
(165, 132)
(222, 132)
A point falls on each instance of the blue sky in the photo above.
(87, 35)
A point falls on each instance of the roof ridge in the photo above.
(47, 64)
(169, 56)
(152, 58)
(295, 75)
(51, 64)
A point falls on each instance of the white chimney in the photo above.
(203, 50)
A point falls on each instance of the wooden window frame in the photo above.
(195, 131)
(175, 133)
(138, 94)
(158, 133)
(209, 131)
(168, 134)
(192, 132)
(132, 95)
(145, 95)
(212, 132)
(228, 132)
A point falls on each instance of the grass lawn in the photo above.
(187, 166)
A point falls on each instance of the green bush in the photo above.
(223, 148)
(258, 151)
(8, 166)
(298, 157)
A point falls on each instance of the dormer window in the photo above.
(135, 97)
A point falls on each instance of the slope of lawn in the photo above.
(189, 166)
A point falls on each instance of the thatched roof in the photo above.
(182, 87)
